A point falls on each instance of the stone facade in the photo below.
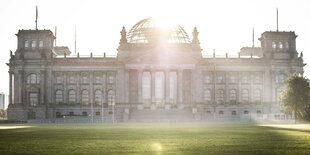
(167, 81)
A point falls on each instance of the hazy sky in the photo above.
(223, 25)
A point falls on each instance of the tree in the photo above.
(296, 96)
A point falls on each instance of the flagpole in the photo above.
(36, 17)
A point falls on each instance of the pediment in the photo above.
(163, 56)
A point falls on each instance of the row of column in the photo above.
(166, 85)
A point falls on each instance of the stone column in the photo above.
(77, 93)
(167, 86)
(91, 89)
(180, 86)
(252, 87)
(153, 86)
(127, 86)
(65, 90)
(140, 73)
(42, 87)
(10, 90)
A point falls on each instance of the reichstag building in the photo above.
(158, 75)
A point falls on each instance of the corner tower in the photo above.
(34, 44)
(279, 45)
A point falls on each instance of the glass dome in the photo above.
(148, 31)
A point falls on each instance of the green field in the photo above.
(154, 138)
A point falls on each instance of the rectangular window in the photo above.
(40, 44)
(159, 85)
(34, 44)
(26, 44)
(33, 99)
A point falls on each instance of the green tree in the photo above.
(296, 96)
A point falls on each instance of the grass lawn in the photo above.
(154, 138)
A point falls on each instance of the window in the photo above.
(98, 79)
(245, 79)
(40, 44)
(59, 97)
(72, 96)
(279, 93)
(233, 95)
(208, 112)
(33, 79)
(111, 79)
(246, 112)
(98, 113)
(282, 77)
(207, 79)
(220, 96)
(34, 44)
(257, 78)
(26, 44)
(85, 97)
(71, 79)
(98, 97)
(84, 113)
(280, 45)
(245, 95)
(58, 115)
(221, 112)
(234, 113)
(287, 46)
(220, 79)
(257, 95)
(207, 96)
(232, 79)
(274, 45)
(258, 112)
(33, 99)
(111, 97)
(71, 113)
(59, 78)
(84, 78)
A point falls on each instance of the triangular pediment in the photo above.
(163, 56)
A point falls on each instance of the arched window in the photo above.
(280, 45)
(233, 95)
(85, 97)
(287, 45)
(220, 96)
(33, 79)
(34, 44)
(111, 97)
(98, 97)
(245, 95)
(59, 97)
(274, 45)
(257, 95)
(72, 96)
(26, 44)
(282, 77)
(41, 44)
(279, 93)
(207, 96)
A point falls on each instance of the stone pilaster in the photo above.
(180, 86)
